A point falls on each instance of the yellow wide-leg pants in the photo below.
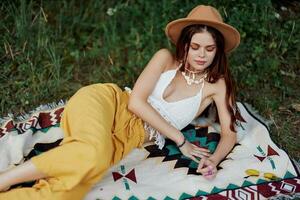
(98, 132)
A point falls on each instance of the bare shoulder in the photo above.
(220, 84)
(161, 60)
(165, 52)
(219, 87)
(216, 90)
(166, 57)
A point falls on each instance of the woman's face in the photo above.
(202, 51)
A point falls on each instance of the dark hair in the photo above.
(218, 69)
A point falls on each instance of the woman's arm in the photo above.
(143, 88)
(19, 174)
(138, 104)
(228, 137)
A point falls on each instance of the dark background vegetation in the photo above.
(49, 49)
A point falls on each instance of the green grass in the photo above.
(49, 49)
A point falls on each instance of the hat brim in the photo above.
(231, 35)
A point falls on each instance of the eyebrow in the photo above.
(200, 45)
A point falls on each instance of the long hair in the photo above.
(219, 67)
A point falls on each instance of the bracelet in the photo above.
(179, 146)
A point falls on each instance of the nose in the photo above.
(201, 52)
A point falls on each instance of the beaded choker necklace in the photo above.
(190, 77)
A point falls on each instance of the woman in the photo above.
(102, 123)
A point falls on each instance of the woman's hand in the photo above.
(3, 183)
(207, 168)
(192, 151)
(4, 189)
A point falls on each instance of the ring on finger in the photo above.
(210, 172)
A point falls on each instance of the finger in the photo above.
(206, 155)
(204, 170)
(197, 154)
(211, 175)
(201, 163)
(210, 162)
(211, 170)
(194, 159)
(201, 148)
(202, 153)
(195, 146)
(204, 149)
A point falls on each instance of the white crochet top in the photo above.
(178, 113)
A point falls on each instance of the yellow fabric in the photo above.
(98, 132)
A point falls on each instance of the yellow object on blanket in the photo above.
(98, 132)
(267, 175)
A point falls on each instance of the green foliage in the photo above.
(52, 48)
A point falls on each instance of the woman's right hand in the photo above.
(192, 151)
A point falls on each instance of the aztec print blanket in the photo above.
(255, 169)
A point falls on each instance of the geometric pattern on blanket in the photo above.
(255, 169)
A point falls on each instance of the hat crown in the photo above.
(209, 16)
(205, 13)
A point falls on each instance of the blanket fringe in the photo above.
(26, 116)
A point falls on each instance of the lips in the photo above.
(199, 62)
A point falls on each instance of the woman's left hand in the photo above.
(207, 168)
(192, 151)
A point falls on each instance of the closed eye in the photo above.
(195, 47)
(210, 49)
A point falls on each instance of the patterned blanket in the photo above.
(255, 169)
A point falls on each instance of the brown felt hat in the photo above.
(209, 16)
